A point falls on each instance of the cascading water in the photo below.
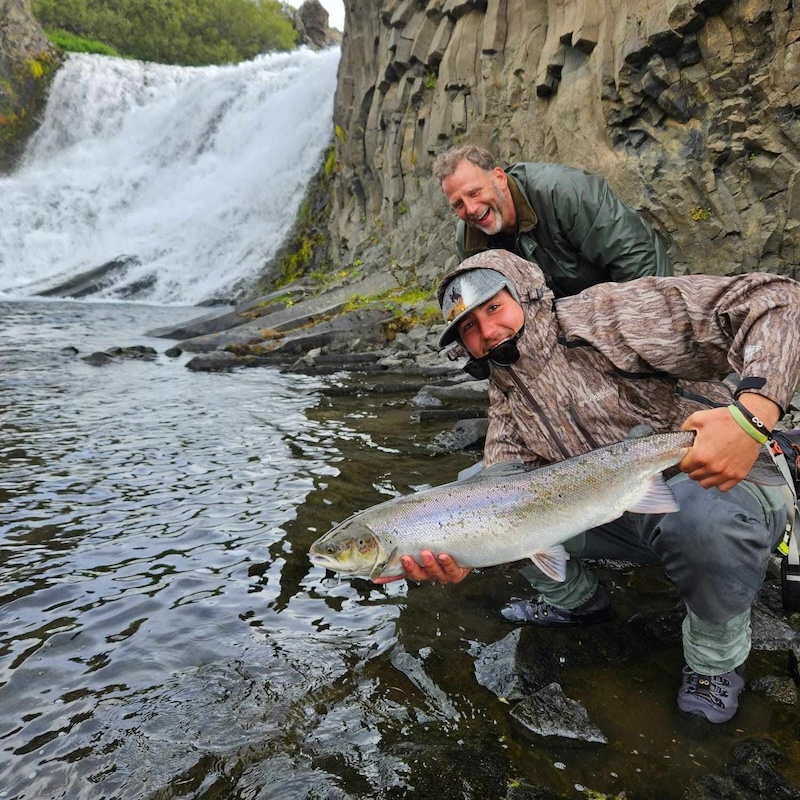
(192, 175)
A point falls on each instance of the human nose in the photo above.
(471, 207)
(488, 330)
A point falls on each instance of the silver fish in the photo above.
(507, 513)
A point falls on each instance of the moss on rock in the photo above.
(27, 66)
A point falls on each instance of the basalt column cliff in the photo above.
(688, 107)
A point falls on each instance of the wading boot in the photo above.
(537, 611)
(715, 697)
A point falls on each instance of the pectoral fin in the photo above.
(553, 562)
(657, 498)
(380, 566)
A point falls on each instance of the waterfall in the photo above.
(192, 176)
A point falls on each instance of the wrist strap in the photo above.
(746, 425)
(754, 420)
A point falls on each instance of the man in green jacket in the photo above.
(566, 220)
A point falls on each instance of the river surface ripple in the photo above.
(137, 499)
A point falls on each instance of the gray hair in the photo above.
(447, 162)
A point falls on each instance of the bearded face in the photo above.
(480, 198)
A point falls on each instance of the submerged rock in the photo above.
(557, 718)
(495, 668)
(219, 360)
(752, 774)
(97, 359)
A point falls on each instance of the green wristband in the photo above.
(746, 426)
(754, 420)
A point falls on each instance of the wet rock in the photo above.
(770, 632)
(302, 319)
(136, 351)
(425, 398)
(173, 352)
(780, 689)
(496, 668)
(69, 351)
(98, 359)
(414, 670)
(556, 718)
(527, 791)
(660, 628)
(794, 661)
(751, 774)
(475, 767)
(218, 361)
(93, 280)
(466, 390)
(223, 319)
(467, 434)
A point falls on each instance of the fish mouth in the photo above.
(326, 562)
(332, 564)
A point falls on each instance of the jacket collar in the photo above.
(476, 240)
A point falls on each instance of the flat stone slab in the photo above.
(291, 317)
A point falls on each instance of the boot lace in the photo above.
(710, 688)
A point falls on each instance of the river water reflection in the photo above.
(164, 634)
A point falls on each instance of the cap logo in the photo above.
(458, 305)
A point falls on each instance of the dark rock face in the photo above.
(687, 108)
(27, 61)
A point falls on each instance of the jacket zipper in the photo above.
(573, 414)
(538, 410)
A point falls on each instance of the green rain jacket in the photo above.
(575, 228)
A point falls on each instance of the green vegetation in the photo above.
(698, 213)
(189, 32)
(22, 95)
(64, 40)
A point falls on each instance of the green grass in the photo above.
(73, 43)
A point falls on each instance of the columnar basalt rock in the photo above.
(688, 107)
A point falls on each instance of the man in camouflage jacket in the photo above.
(592, 367)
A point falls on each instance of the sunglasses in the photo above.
(504, 355)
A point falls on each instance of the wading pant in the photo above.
(715, 550)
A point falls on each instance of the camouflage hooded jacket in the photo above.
(650, 351)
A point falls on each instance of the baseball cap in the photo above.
(467, 291)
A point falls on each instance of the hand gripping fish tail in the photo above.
(505, 514)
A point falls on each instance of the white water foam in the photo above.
(197, 172)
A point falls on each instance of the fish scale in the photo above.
(507, 513)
